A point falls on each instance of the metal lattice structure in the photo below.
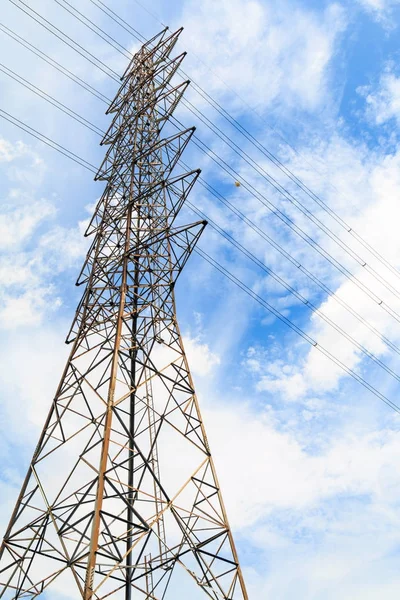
(121, 499)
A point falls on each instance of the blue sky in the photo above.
(307, 458)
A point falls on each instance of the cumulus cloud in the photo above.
(18, 223)
(201, 358)
(365, 192)
(291, 47)
(272, 471)
(380, 9)
(383, 102)
(9, 151)
(34, 248)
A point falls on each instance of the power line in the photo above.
(287, 194)
(250, 161)
(93, 27)
(71, 115)
(312, 195)
(314, 219)
(219, 267)
(85, 54)
(222, 232)
(44, 96)
(93, 127)
(294, 227)
(304, 236)
(295, 328)
(56, 65)
(49, 142)
(149, 13)
(284, 218)
(244, 131)
(314, 309)
(294, 261)
(117, 19)
(268, 154)
(99, 132)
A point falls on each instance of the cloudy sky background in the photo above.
(307, 457)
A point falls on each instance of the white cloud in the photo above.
(379, 8)
(365, 194)
(38, 353)
(283, 379)
(23, 164)
(9, 151)
(200, 357)
(28, 307)
(269, 470)
(18, 223)
(277, 50)
(27, 285)
(383, 103)
(34, 248)
(376, 4)
(63, 247)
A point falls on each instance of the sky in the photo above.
(307, 457)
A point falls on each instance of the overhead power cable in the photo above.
(287, 220)
(268, 154)
(245, 132)
(44, 96)
(218, 266)
(99, 64)
(277, 278)
(93, 27)
(261, 232)
(117, 19)
(240, 152)
(314, 309)
(49, 142)
(307, 213)
(147, 10)
(295, 328)
(56, 65)
(308, 239)
(92, 127)
(288, 196)
(298, 230)
(225, 234)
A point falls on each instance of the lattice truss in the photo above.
(121, 498)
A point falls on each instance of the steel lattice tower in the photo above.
(121, 499)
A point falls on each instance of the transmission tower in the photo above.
(121, 499)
